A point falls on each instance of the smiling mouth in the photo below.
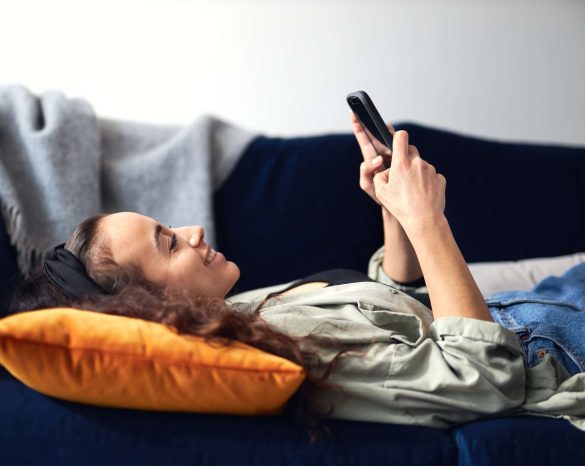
(210, 256)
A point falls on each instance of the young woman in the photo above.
(390, 346)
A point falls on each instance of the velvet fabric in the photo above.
(39, 430)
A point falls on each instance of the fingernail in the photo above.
(192, 240)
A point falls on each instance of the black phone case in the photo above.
(366, 111)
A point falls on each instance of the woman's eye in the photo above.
(173, 243)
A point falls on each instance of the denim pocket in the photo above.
(538, 346)
(544, 327)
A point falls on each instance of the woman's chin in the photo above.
(236, 272)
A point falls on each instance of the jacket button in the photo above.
(541, 353)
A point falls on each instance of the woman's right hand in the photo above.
(410, 189)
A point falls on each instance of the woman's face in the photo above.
(174, 257)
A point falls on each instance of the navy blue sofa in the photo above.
(293, 207)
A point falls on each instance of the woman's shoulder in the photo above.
(256, 295)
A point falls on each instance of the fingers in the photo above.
(413, 151)
(378, 145)
(354, 118)
(366, 174)
(368, 168)
(381, 178)
(403, 152)
(368, 150)
(370, 146)
(366, 181)
(400, 149)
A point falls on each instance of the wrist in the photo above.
(399, 262)
(387, 216)
(420, 228)
(393, 231)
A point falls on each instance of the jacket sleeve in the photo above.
(467, 369)
(376, 272)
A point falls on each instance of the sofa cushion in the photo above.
(520, 440)
(36, 429)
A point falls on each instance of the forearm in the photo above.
(400, 261)
(452, 289)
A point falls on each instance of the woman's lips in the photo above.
(210, 253)
(215, 257)
(219, 257)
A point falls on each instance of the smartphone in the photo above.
(372, 122)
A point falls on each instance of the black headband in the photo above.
(68, 274)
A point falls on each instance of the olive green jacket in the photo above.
(411, 369)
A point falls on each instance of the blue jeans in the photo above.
(549, 319)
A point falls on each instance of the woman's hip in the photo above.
(543, 327)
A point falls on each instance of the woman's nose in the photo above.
(196, 235)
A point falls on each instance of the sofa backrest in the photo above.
(508, 201)
(293, 206)
(8, 264)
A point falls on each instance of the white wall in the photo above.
(511, 69)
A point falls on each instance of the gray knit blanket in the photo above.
(60, 164)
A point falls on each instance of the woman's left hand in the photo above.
(373, 152)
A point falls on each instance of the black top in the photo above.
(344, 276)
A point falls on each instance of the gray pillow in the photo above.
(493, 277)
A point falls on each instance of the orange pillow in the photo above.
(123, 362)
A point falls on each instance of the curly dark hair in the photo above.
(130, 294)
